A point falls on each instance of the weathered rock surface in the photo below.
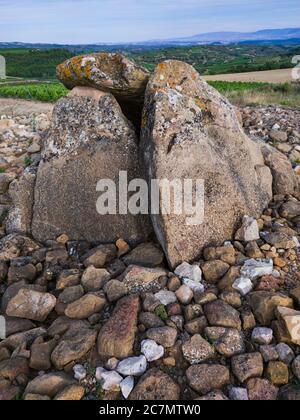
(73, 345)
(264, 304)
(116, 338)
(141, 279)
(205, 378)
(290, 319)
(30, 304)
(22, 194)
(197, 350)
(246, 366)
(107, 72)
(203, 141)
(86, 306)
(261, 390)
(90, 140)
(221, 314)
(146, 255)
(49, 384)
(156, 385)
(284, 178)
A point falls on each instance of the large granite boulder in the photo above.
(90, 140)
(189, 131)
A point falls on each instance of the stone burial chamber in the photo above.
(188, 132)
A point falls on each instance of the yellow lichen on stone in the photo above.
(200, 104)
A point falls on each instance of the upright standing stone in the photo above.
(2, 67)
(189, 131)
(90, 140)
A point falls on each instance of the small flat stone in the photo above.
(166, 297)
(165, 336)
(86, 306)
(184, 294)
(110, 380)
(262, 335)
(213, 271)
(238, 394)
(254, 269)
(249, 230)
(145, 255)
(49, 384)
(188, 271)
(205, 378)
(141, 279)
(115, 290)
(246, 366)
(71, 393)
(269, 353)
(30, 304)
(197, 350)
(73, 346)
(79, 372)
(285, 353)
(100, 256)
(261, 390)
(243, 285)
(296, 367)
(221, 314)
(93, 279)
(278, 373)
(156, 385)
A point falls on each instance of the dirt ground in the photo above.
(16, 107)
(271, 76)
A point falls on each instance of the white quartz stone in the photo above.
(243, 285)
(133, 366)
(254, 269)
(151, 350)
(127, 386)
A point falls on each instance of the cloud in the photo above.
(83, 21)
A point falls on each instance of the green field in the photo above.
(41, 63)
(31, 72)
(240, 93)
(33, 64)
(217, 59)
(45, 92)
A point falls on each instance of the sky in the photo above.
(96, 21)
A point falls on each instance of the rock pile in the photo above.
(277, 126)
(109, 320)
(83, 322)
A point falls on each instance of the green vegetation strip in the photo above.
(51, 92)
(286, 94)
(45, 92)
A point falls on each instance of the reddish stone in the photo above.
(261, 390)
(270, 284)
(116, 338)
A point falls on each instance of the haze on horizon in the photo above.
(96, 21)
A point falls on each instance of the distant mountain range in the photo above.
(266, 36)
(238, 37)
